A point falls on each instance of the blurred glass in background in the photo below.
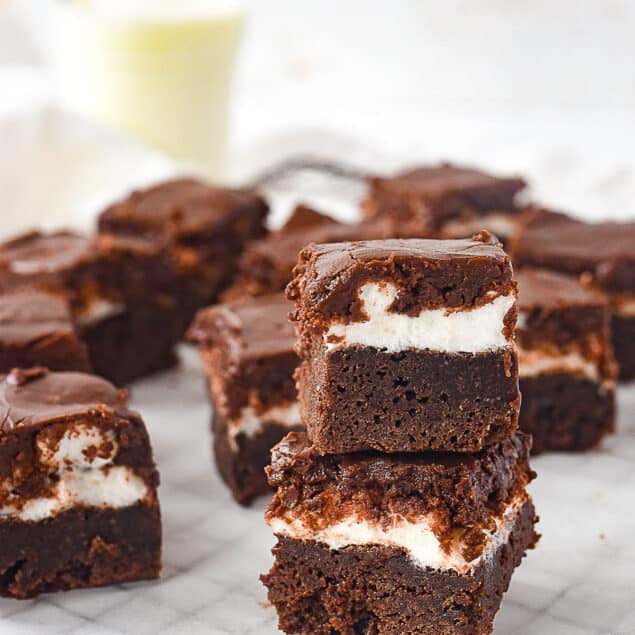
(158, 69)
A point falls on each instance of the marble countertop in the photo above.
(579, 581)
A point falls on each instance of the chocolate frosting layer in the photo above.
(38, 258)
(549, 290)
(439, 180)
(430, 274)
(178, 209)
(605, 252)
(259, 326)
(27, 316)
(36, 396)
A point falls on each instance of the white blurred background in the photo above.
(544, 88)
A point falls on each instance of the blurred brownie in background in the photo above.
(198, 230)
(602, 255)
(36, 329)
(565, 362)
(247, 353)
(447, 201)
(120, 294)
(266, 266)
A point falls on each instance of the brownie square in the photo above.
(406, 345)
(266, 266)
(447, 201)
(121, 295)
(601, 254)
(396, 543)
(247, 353)
(199, 230)
(36, 329)
(78, 499)
(565, 361)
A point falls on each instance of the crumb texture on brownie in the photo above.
(358, 398)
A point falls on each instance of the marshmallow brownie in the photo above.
(406, 345)
(447, 201)
(247, 353)
(401, 543)
(565, 362)
(266, 266)
(120, 294)
(199, 230)
(78, 486)
(602, 254)
(36, 329)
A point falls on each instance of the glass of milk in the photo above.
(158, 69)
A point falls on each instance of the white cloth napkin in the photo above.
(58, 170)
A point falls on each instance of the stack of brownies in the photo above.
(403, 508)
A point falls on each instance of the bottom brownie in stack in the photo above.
(376, 543)
(78, 486)
(247, 353)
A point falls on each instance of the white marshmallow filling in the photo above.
(251, 423)
(416, 538)
(81, 472)
(477, 330)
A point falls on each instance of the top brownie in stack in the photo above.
(407, 345)
(199, 230)
(447, 201)
(601, 254)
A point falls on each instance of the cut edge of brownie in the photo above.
(457, 495)
(317, 590)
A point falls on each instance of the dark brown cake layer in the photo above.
(247, 352)
(36, 329)
(358, 398)
(433, 195)
(623, 333)
(82, 547)
(429, 274)
(241, 459)
(133, 344)
(461, 489)
(379, 590)
(267, 265)
(604, 252)
(565, 413)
